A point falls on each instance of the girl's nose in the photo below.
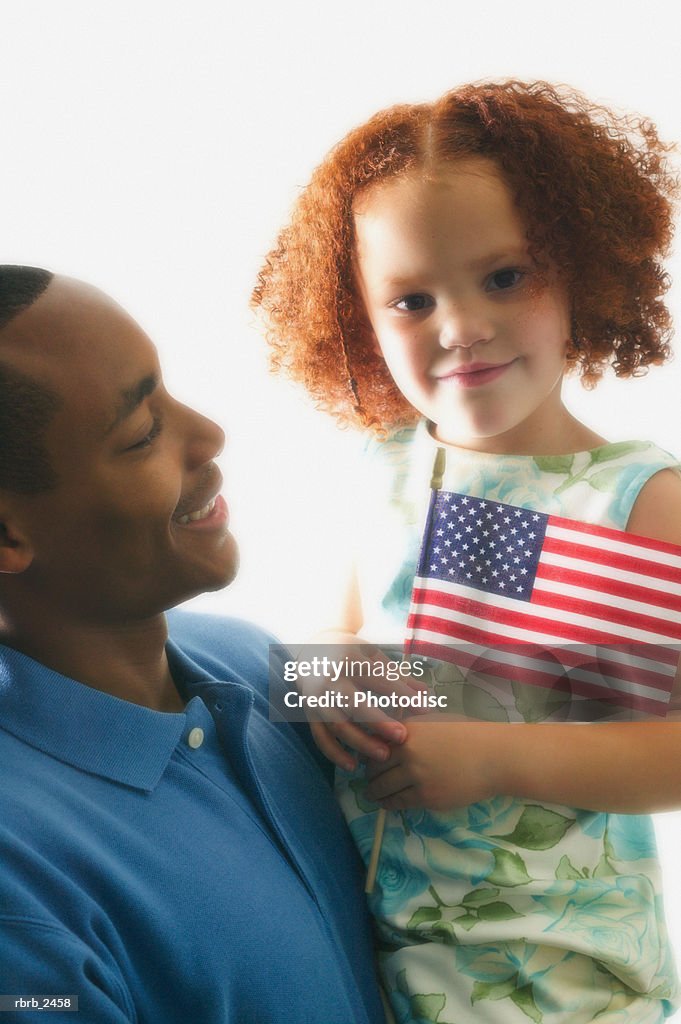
(464, 326)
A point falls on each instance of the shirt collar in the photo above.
(92, 730)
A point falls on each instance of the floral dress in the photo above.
(507, 910)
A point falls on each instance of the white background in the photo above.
(154, 149)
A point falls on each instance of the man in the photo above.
(167, 854)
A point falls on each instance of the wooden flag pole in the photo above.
(435, 485)
(375, 851)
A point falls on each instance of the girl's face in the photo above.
(451, 294)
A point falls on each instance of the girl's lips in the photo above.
(476, 374)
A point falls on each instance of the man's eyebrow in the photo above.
(131, 398)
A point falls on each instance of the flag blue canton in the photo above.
(486, 545)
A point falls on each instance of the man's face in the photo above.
(133, 525)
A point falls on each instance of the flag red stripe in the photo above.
(607, 585)
(546, 680)
(612, 559)
(609, 533)
(635, 701)
(605, 613)
(524, 620)
(457, 630)
(569, 656)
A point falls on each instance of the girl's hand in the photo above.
(369, 732)
(441, 765)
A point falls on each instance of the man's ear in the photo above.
(16, 552)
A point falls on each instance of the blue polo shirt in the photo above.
(175, 868)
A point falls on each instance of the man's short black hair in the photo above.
(26, 405)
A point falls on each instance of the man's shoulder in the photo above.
(238, 651)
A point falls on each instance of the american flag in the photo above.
(521, 595)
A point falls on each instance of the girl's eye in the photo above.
(413, 303)
(149, 438)
(504, 279)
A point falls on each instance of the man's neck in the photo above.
(127, 660)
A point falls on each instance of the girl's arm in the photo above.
(378, 732)
(631, 767)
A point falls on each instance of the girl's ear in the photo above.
(16, 552)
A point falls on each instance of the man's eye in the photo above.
(413, 303)
(149, 438)
(504, 279)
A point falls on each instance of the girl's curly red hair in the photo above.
(596, 193)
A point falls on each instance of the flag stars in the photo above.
(482, 545)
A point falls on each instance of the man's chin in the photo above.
(221, 572)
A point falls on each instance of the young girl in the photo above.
(444, 269)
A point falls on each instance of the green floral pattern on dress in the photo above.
(507, 910)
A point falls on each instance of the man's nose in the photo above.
(205, 439)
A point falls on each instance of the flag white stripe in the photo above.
(551, 668)
(523, 608)
(598, 569)
(599, 597)
(576, 536)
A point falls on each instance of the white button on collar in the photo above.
(195, 738)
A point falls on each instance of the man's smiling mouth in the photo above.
(202, 513)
